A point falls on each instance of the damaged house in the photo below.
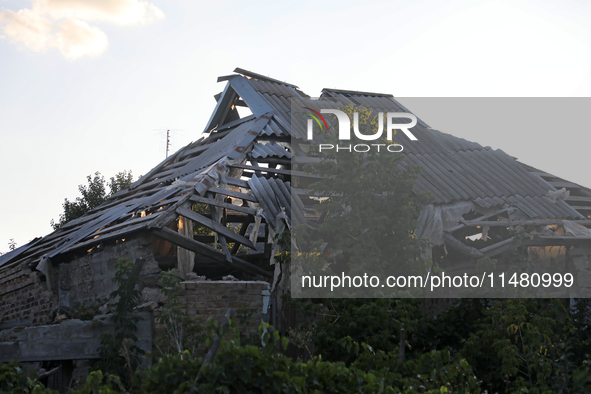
(240, 175)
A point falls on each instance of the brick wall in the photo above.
(24, 298)
(91, 276)
(203, 299)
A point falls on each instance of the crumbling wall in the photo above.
(203, 299)
(24, 298)
(72, 339)
(89, 277)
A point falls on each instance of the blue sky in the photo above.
(91, 86)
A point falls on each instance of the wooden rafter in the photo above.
(215, 226)
(211, 201)
(208, 251)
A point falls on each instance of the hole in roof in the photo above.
(243, 112)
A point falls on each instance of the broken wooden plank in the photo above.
(236, 182)
(217, 227)
(243, 230)
(254, 163)
(128, 223)
(463, 223)
(458, 246)
(209, 239)
(208, 251)
(230, 218)
(499, 247)
(216, 219)
(232, 193)
(170, 214)
(205, 200)
(276, 171)
(122, 233)
(108, 218)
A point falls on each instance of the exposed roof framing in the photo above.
(243, 167)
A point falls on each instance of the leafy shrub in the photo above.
(118, 353)
(181, 332)
(99, 383)
(14, 379)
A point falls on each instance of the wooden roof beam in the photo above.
(208, 251)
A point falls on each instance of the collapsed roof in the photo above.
(243, 165)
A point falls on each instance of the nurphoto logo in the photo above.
(344, 129)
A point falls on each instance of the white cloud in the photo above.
(76, 39)
(63, 24)
(120, 12)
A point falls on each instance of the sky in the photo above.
(90, 86)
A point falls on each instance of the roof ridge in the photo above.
(359, 93)
(262, 77)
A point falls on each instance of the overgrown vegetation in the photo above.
(476, 346)
(355, 345)
(15, 379)
(181, 333)
(118, 352)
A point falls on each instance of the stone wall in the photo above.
(70, 340)
(203, 299)
(89, 277)
(24, 298)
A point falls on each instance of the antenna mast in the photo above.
(167, 141)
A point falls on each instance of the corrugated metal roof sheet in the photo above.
(273, 194)
(217, 150)
(455, 169)
(273, 128)
(269, 150)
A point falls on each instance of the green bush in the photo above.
(99, 383)
(14, 379)
(181, 332)
(534, 346)
(170, 374)
(118, 353)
